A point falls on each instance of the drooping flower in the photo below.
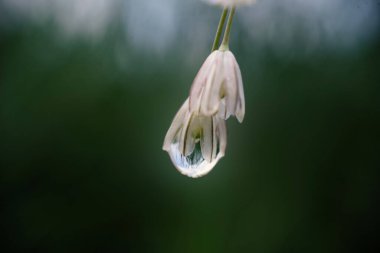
(195, 142)
(217, 85)
(230, 3)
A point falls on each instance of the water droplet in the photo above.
(193, 165)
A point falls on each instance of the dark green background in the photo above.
(82, 168)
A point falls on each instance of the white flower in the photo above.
(230, 3)
(217, 85)
(195, 142)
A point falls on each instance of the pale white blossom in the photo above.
(218, 87)
(230, 3)
(195, 142)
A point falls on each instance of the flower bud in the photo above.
(217, 85)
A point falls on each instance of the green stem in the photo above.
(219, 30)
(226, 38)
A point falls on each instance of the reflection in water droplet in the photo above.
(195, 142)
(194, 165)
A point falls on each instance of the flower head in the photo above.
(230, 3)
(218, 87)
(195, 142)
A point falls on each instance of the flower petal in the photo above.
(221, 135)
(176, 125)
(240, 105)
(199, 82)
(231, 3)
(207, 138)
(211, 95)
(183, 135)
(230, 84)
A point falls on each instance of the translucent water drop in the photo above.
(195, 142)
(193, 165)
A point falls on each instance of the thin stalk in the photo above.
(220, 29)
(226, 38)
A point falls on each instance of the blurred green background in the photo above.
(84, 110)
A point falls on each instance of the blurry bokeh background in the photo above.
(88, 90)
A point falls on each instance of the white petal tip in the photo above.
(240, 118)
